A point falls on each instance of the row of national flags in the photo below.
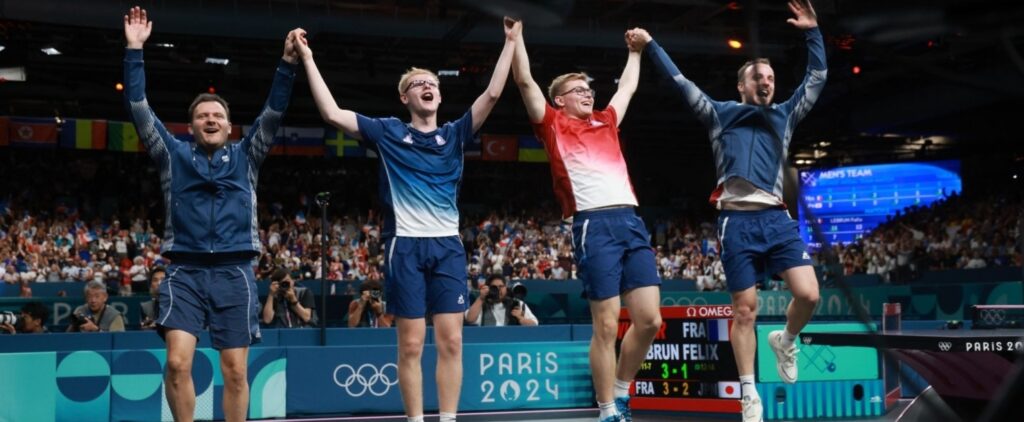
(109, 135)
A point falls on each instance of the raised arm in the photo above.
(702, 105)
(630, 75)
(485, 102)
(261, 135)
(533, 97)
(152, 133)
(813, 83)
(345, 120)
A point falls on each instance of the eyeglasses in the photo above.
(419, 83)
(581, 91)
(497, 286)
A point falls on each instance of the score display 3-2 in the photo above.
(690, 367)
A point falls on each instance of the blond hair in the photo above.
(555, 89)
(403, 83)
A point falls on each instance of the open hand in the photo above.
(137, 27)
(805, 18)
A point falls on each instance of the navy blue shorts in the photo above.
(613, 252)
(756, 242)
(425, 275)
(221, 297)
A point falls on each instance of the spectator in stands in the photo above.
(95, 315)
(150, 309)
(288, 305)
(495, 308)
(32, 320)
(370, 308)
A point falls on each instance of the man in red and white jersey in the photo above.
(612, 247)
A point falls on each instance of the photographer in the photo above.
(368, 309)
(288, 305)
(95, 315)
(494, 307)
(150, 309)
(32, 320)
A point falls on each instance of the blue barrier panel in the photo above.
(351, 380)
(29, 380)
(296, 336)
(582, 332)
(55, 342)
(473, 334)
(368, 336)
(526, 376)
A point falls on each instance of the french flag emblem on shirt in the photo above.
(718, 329)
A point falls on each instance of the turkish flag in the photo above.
(500, 147)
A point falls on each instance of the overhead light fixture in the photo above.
(448, 72)
(2, 48)
(735, 44)
(50, 51)
(164, 45)
(824, 144)
(217, 60)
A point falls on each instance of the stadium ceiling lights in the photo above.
(448, 72)
(164, 45)
(2, 48)
(217, 60)
(50, 51)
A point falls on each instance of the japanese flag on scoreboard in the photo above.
(728, 389)
(718, 329)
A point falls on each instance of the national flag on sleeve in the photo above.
(338, 144)
(4, 136)
(531, 150)
(500, 147)
(121, 136)
(83, 134)
(718, 329)
(32, 132)
(728, 389)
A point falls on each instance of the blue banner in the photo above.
(361, 379)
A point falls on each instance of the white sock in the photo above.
(621, 388)
(747, 388)
(607, 409)
(788, 339)
(415, 418)
(447, 417)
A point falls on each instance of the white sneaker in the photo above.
(785, 359)
(751, 409)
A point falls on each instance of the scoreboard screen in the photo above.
(851, 201)
(690, 366)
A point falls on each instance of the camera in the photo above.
(376, 294)
(493, 294)
(8, 317)
(284, 285)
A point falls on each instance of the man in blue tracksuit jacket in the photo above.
(750, 140)
(211, 234)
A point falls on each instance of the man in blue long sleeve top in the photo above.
(750, 140)
(211, 234)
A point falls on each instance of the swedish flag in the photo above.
(340, 145)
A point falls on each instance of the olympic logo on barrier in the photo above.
(683, 301)
(366, 378)
(993, 316)
(945, 346)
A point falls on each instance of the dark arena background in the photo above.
(907, 179)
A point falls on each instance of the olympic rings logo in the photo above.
(367, 377)
(683, 301)
(993, 316)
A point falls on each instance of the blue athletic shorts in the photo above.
(613, 252)
(221, 297)
(425, 275)
(756, 242)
